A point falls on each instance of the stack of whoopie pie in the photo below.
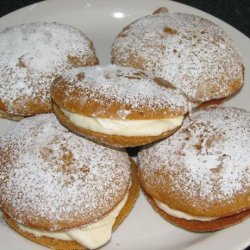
(57, 189)
(66, 180)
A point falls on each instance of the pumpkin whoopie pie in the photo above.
(32, 55)
(118, 106)
(192, 53)
(61, 190)
(199, 177)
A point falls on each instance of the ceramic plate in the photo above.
(101, 20)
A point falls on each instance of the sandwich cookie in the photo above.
(61, 190)
(192, 53)
(118, 106)
(32, 55)
(199, 178)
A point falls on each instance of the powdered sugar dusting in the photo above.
(50, 174)
(207, 158)
(33, 54)
(128, 86)
(192, 53)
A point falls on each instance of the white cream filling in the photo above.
(152, 127)
(180, 214)
(91, 236)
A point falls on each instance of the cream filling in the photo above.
(91, 236)
(180, 214)
(152, 127)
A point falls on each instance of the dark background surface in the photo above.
(236, 13)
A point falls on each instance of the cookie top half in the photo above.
(192, 53)
(32, 55)
(117, 92)
(204, 168)
(54, 180)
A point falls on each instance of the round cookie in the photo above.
(198, 178)
(61, 190)
(32, 55)
(118, 106)
(192, 53)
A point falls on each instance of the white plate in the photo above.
(101, 20)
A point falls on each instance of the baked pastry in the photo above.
(61, 190)
(199, 178)
(31, 57)
(118, 106)
(192, 53)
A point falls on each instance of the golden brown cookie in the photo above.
(73, 245)
(32, 55)
(199, 177)
(59, 189)
(192, 53)
(118, 106)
